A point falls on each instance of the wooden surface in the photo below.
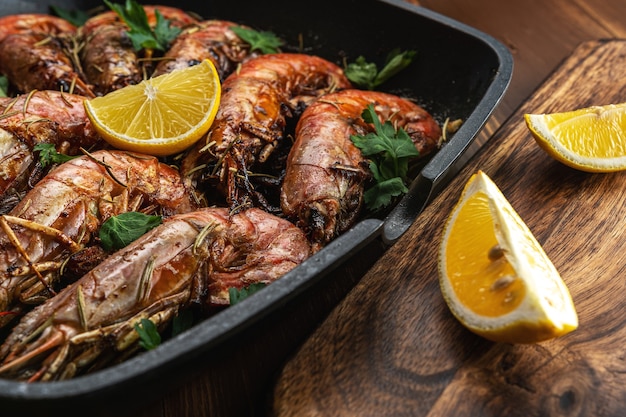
(391, 348)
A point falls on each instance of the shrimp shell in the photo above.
(63, 212)
(39, 117)
(34, 22)
(210, 39)
(324, 181)
(108, 57)
(162, 272)
(255, 104)
(35, 54)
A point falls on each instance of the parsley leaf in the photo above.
(149, 336)
(236, 295)
(141, 34)
(48, 154)
(118, 231)
(366, 75)
(389, 151)
(75, 17)
(4, 86)
(266, 42)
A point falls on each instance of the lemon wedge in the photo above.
(591, 139)
(160, 116)
(495, 277)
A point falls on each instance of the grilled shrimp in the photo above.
(255, 104)
(322, 190)
(39, 23)
(210, 39)
(36, 54)
(109, 60)
(29, 119)
(162, 272)
(63, 212)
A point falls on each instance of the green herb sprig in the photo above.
(266, 42)
(48, 155)
(119, 231)
(366, 74)
(236, 295)
(4, 86)
(75, 17)
(389, 152)
(149, 337)
(141, 34)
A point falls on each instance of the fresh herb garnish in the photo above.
(75, 17)
(366, 75)
(389, 152)
(149, 336)
(266, 42)
(141, 34)
(48, 154)
(118, 231)
(4, 86)
(236, 295)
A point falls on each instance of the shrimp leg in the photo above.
(192, 258)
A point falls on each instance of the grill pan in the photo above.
(458, 73)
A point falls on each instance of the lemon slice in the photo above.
(160, 116)
(591, 139)
(495, 277)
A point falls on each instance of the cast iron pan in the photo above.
(459, 73)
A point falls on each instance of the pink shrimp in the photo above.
(109, 60)
(62, 214)
(164, 271)
(39, 117)
(210, 39)
(39, 23)
(36, 53)
(256, 102)
(323, 185)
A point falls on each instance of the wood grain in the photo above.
(393, 348)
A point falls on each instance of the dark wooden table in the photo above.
(390, 347)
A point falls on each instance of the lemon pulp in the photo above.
(161, 115)
(495, 277)
(480, 274)
(591, 139)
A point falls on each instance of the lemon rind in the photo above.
(545, 138)
(161, 146)
(544, 319)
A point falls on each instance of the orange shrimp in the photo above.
(322, 190)
(38, 23)
(210, 39)
(40, 117)
(64, 211)
(166, 270)
(256, 102)
(109, 60)
(36, 54)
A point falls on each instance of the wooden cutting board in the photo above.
(392, 348)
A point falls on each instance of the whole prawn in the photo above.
(37, 54)
(109, 60)
(62, 214)
(38, 117)
(164, 271)
(322, 190)
(209, 39)
(255, 104)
